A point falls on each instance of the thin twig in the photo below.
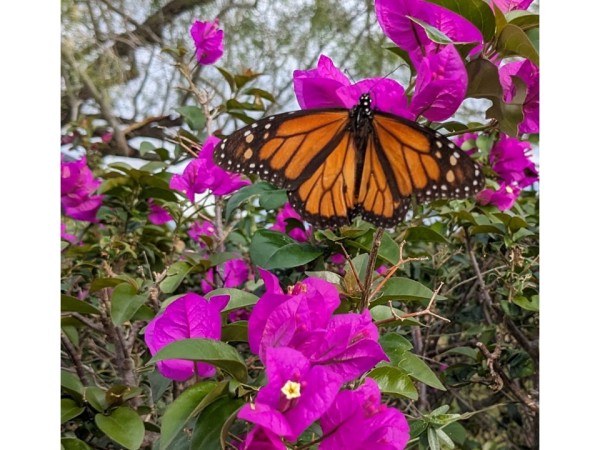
(364, 300)
(426, 311)
(75, 356)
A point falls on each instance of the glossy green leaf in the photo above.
(193, 116)
(478, 12)
(500, 19)
(420, 233)
(125, 303)
(101, 283)
(456, 432)
(466, 351)
(416, 368)
(331, 277)
(523, 19)
(228, 77)
(235, 332)
(211, 421)
(389, 250)
(74, 444)
(72, 304)
(96, 397)
(234, 104)
(405, 289)
(513, 41)
(393, 342)
(445, 439)
(70, 382)
(69, 409)
(273, 200)
(122, 425)
(260, 93)
(432, 33)
(181, 411)
(213, 352)
(394, 381)
(245, 194)
(275, 250)
(529, 304)
(175, 275)
(237, 298)
(381, 313)
(433, 440)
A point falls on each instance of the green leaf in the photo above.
(433, 440)
(211, 422)
(193, 116)
(416, 368)
(513, 41)
(234, 104)
(432, 33)
(182, 410)
(235, 332)
(125, 303)
(389, 250)
(523, 19)
(441, 410)
(380, 313)
(331, 277)
(470, 352)
(260, 93)
(274, 250)
(72, 304)
(456, 432)
(392, 342)
(532, 304)
(175, 275)
(246, 193)
(500, 19)
(71, 383)
(420, 233)
(477, 12)
(207, 350)
(405, 289)
(237, 298)
(124, 426)
(228, 77)
(273, 200)
(101, 283)
(445, 439)
(69, 409)
(73, 444)
(96, 398)
(392, 380)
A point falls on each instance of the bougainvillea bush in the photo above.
(200, 311)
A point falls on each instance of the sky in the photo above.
(30, 93)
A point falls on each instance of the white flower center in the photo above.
(291, 390)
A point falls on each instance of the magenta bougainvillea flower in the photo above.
(346, 344)
(261, 438)
(530, 74)
(327, 87)
(67, 236)
(301, 233)
(512, 5)
(190, 316)
(208, 40)
(358, 420)
(510, 158)
(199, 229)
(234, 273)
(394, 16)
(77, 183)
(503, 198)
(441, 85)
(337, 258)
(158, 215)
(201, 174)
(440, 88)
(296, 394)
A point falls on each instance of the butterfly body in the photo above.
(337, 163)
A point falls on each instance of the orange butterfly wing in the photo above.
(338, 163)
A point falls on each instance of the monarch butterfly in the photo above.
(338, 163)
